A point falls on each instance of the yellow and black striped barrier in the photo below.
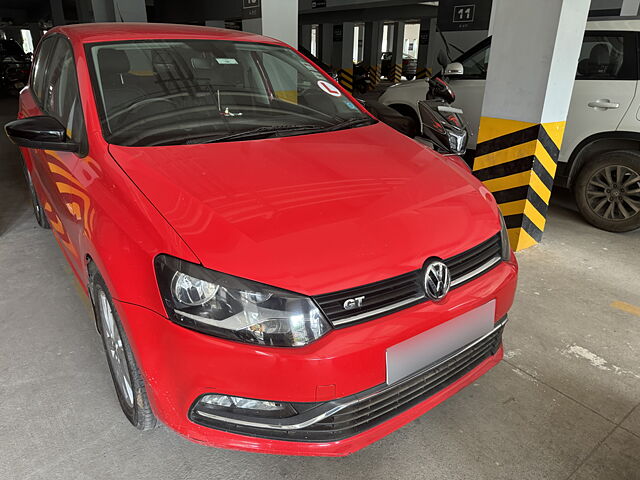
(423, 72)
(345, 78)
(517, 162)
(374, 75)
(396, 73)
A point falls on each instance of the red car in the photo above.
(271, 268)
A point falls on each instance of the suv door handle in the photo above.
(603, 104)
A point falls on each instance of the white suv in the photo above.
(600, 155)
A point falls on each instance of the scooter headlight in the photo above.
(234, 308)
(457, 140)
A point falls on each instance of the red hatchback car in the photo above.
(270, 267)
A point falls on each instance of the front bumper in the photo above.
(180, 365)
(345, 417)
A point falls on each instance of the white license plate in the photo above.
(428, 347)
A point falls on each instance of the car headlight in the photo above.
(504, 240)
(234, 308)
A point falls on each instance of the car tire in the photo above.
(607, 191)
(38, 211)
(126, 376)
(409, 77)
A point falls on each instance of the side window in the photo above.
(39, 67)
(61, 98)
(608, 56)
(475, 65)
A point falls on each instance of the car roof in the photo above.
(631, 24)
(121, 31)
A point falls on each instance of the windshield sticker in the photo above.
(326, 87)
(227, 61)
(350, 105)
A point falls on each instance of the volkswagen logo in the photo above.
(437, 280)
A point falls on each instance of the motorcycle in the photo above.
(14, 67)
(443, 125)
(361, 78)
(14, 77)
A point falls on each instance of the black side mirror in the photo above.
(41, 132)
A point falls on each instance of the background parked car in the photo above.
(409, 66)
(14, 67)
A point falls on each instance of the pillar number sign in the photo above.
(251, 9)
(456, 15)
(463, 13)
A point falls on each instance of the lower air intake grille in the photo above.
(367, 409)
(393, 294)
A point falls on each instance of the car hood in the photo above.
(314, 213)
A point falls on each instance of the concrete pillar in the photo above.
(534, 56)
(103, 11)
(372, 55)
(423, 48)
(253, 25)
(396, 49)
(57, 12)
(630, 8)
(118, 10)
(83, 8)
(279, 19)
(435, 45)
(342, 56)
(36, 34)
(130, 10)
(326, 43)
(304, 36)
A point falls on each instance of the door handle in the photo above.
(603, 104)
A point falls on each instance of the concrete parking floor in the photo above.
(564, 404)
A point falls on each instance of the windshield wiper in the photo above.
(350, 123)
(268, 131)
(260, 132)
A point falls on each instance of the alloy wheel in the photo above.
(115, 348)
(613, 192)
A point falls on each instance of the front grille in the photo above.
(393, 294)
(367, 409)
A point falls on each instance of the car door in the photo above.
(604, 89)
(58, 96)
(469, 87)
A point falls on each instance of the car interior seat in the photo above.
(119, 92)
(599, 63)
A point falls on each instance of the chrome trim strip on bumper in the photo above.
(334, 406)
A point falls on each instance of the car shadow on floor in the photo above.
(14, 196)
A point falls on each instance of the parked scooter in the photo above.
(14, 67)
(442, 124)
(361, 78)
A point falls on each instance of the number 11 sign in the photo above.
(463, 13)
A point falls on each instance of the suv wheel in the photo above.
(607, 191)
(126, 377)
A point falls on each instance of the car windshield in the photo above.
(171, 92)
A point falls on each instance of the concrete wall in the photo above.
(280, 20)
